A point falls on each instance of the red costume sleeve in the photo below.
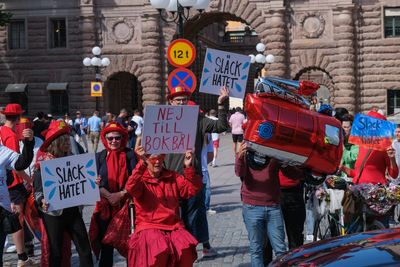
(189, 184)
(240, 167)
(134, 185)
(12, 142)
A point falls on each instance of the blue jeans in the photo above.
(262, 222)
(194, 215)
(207, 186)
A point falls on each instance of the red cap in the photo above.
(178, 91)
(56, 129)
(13, 110)
(376, 115)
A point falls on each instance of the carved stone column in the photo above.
(344, 71)
(274, 37)
(150, 74)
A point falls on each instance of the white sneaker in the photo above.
(210, 211)
(28, 263)
(11, 249)
(309, 237)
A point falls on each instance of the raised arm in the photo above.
(189, 184)
(240, 165)
(220, 125)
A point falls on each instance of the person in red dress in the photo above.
(160, 238)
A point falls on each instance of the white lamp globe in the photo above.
(187, 3)
(252, 58)
(173, 6)
(159, 4)
(105, 61)
(87, 62)
(96, 61)
(270, 59)
(201, 4)
(96, 50)
(260, 58)
(260, 47)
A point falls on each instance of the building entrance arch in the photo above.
(122, 90)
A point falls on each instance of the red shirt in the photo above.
(287, 182)
(157, 199)
(374, 168)
(9, 139)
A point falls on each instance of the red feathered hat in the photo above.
(13, 110)
(178, 91)
(114, 127)
(56, 129)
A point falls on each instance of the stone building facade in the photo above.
(350, 46)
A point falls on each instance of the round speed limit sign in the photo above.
(181, 53)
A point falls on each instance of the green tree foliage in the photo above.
(4, 17)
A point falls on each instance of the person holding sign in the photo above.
(371, 165)
(10, 160)
(160, 238)
(194, 210)
(57, 145)
(115, 164)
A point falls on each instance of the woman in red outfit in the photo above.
(375, 166)
(114, 165)
(376, 163)
(160, 238)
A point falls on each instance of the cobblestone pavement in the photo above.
(227, 232)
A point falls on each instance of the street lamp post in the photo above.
(260, 59)
(97, 62)
(177, 8)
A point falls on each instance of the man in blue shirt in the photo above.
(94, 125)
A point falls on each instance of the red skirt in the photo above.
(159, 248)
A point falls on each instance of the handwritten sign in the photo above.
(225, 69)
(169, 129)
(371, 132)
(70, 181)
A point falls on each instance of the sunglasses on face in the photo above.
(116, 138)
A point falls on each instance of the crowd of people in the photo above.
(170, 194)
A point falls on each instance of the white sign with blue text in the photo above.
(70, 181)
(224, 69)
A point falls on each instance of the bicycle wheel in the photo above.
(325, 227)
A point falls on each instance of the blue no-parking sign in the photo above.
(182, 77)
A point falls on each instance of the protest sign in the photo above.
(225, 69)
(371, 132)
(169, 129)
(70, 181)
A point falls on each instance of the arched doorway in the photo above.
(325, 93)
(222, 31)
(123, 90)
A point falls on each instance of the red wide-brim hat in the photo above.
(114, 127)
(56, 129)
(13, 110)
(178, 91)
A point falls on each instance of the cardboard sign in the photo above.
(70, 181)
(225, 69)
(169, 129)
(371, 132)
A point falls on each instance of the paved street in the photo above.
(227, 232)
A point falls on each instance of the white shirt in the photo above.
(139, 121)
(7, 162)
(396, 146)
